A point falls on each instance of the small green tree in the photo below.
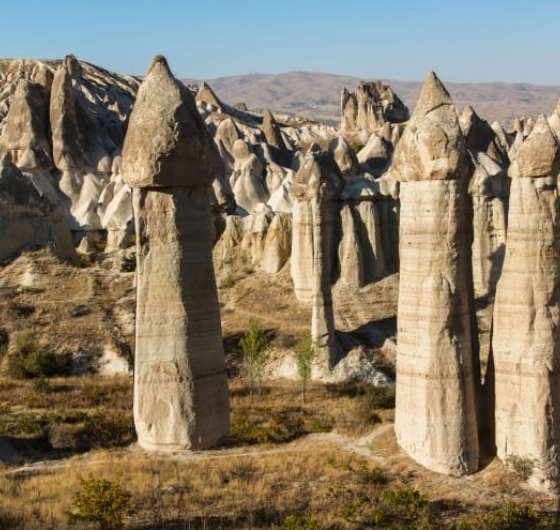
(304, 356)
(254, 344)
(102, 502)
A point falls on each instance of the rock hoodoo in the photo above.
(370, 107)
(526, 341)
(436, 400)
(170, 160)
(315, 236)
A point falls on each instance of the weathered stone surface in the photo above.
(179, 155)
(344, 156)
(25, 135)
(278, 243)
(69, 124)
(371, 106)
(374, 156)
(526, 339)
(29, 218)
(317, 188)
(350, 251)
(489, 189)
(273, 137)
(247, 179)
(180, 393)
(436, 400)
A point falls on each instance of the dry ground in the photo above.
(308, 466)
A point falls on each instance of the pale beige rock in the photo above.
(317, 189)
(180, 392)
(278, 243)
(526, 337)
(436, 394)
(371, 240)
(68, 120)
(273, 137)
(350, 251)
(29, 218)
(371, 106)
(25, 135)
(489, 190)
(374, 156)
(344, 156)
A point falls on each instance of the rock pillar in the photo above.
(436, 384)
(169, 159)
(526, 341)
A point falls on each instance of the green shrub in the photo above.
(304, 353)
(301, 522)
(101, 502)
(254, 344)
(28, 359)
(522, 465)
(511, 517)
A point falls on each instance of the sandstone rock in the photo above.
(278, 243)
(28, 218)
(371, 106)
(350, 251)
(526, 337)
(344, 156)
(180, 392)
(436, 407)
(69, 124)
(489, 189)
(247, 180)
(206, 95)
(374, 156)
(228, 133)
(273, 137)
(315, 237)
(25, 136)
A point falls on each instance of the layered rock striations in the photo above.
(315, 236)
(169, 159)
(436, 393)
(526, 339)
(489, 191)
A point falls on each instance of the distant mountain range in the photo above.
(317, 95)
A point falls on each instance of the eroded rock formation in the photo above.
(180, 393)
(29, 217)
(526, 340)
(315, 236)
(436, 401)
(371, 106)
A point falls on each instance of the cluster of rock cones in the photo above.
(465, 212)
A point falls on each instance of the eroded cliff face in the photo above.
(180, 392)
(437, 382)
(526, 339)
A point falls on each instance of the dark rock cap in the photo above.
(167, 142)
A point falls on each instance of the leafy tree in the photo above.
(255, 345)
(304, 356)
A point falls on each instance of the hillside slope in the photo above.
(317, 95)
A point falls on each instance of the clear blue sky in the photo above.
(462, 40)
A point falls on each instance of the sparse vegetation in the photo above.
(304, 353)
(28, 359)
(101, 502)
(522, 465)
(254, 344)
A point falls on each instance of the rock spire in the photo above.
(169, 159)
